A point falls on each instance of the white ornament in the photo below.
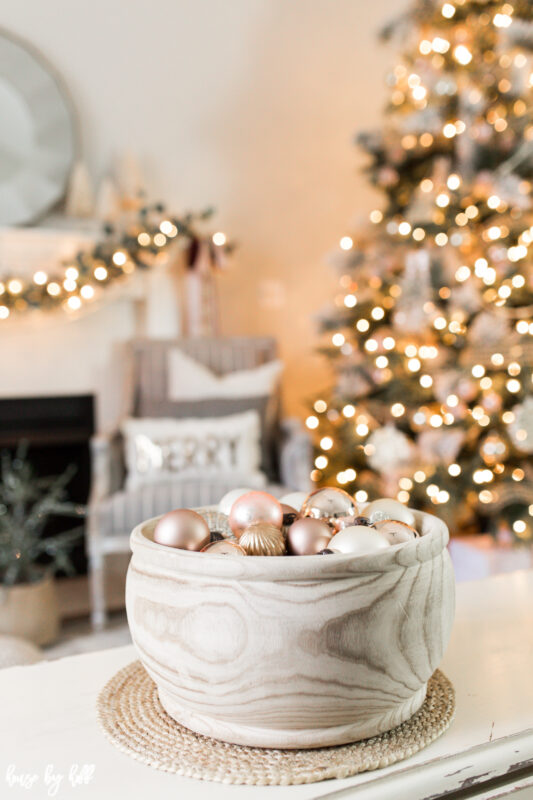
(386, 508)
(294, 499)
(390, 449)
(226, 502)
(395, 531)
(521, 429)
(357, 540)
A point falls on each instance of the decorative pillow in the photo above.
(158, 450)
(187, 380)
(190, 380)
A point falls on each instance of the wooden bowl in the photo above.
(292, 651)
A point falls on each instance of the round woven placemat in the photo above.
(134, 720)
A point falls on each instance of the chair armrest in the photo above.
(107, 468)
(296, 455)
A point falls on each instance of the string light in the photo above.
(87, 292)
(462, 55)
(119, 258)
(448, 10)
(100, 273)
(321, 406)
(219, 239)
(346, 243)
(15, 286)
(397, 409)
(40, 278)
(326, 443)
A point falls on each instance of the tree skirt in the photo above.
(134, 720)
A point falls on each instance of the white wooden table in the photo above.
(48, 724)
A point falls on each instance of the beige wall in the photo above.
(246, 104)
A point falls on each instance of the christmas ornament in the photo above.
(255, 507)
(262, 539)
(440, 446)
(493, 449)
(182, 528)
(358, 540)
(308, 536)
(329, 504)
(226, 502)
(348, 522)
(289, 514)
(521, 429)
(224, 548)
(395, 531)
(390, 449)
(294, 499)
(386, 508)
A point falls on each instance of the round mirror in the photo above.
(37, 134)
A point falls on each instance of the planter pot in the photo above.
(291, 652)
(30, 611)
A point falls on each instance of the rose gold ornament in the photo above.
(255, 507)
(224, 548)
(308, 536)
(262, 539)
(396, 532)
(182, 528)
(329, 504)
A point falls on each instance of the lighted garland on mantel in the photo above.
(120, 253)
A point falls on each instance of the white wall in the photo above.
(246, 104)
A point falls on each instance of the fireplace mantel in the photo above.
(58, 353)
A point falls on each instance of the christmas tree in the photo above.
(431, 333)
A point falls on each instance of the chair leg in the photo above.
(97, 591)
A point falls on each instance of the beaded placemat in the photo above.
(133, 719)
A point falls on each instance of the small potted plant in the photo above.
(28, 560)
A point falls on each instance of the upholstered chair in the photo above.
(114, 510)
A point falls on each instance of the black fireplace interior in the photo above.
(58, 430)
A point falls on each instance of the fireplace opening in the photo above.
(58, 432)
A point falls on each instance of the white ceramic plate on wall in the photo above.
(37, 134)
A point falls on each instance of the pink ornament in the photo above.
(182, 528)
(255, 507)
(308, 536)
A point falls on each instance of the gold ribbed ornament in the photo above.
(262, 539)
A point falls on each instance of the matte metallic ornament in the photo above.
(358, 540)
(308, 536)
(224, 548)
(387, 508)
(226, 502)
(182, 528)
(396, 532)
(329, 504)
(263, 539)
(255, 507)
(294, 499)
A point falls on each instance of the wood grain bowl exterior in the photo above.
(292, 652)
